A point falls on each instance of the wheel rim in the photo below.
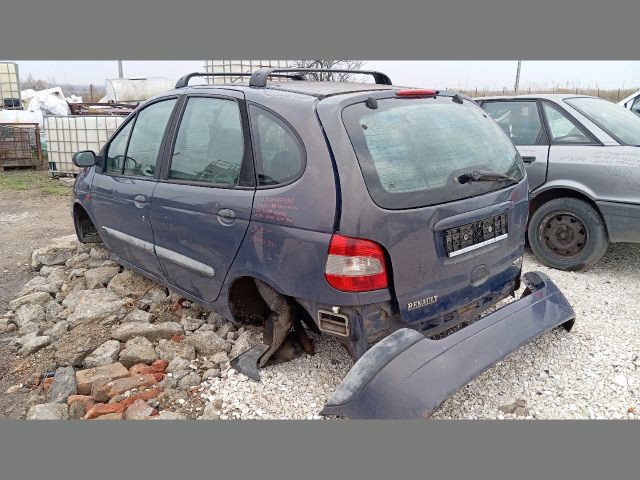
(563, 233)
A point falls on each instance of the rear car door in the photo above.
(121, 193)
(522, 122)
(202, 204)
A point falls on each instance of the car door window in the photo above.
(635, 106)
(116, 150)
(209, 146)
(520, 120)
(278, 152)
(561, 128)
(146, 139)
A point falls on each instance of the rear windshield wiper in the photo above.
(484, 176)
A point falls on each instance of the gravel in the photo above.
(591, 372)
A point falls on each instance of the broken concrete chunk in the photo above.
(153, 332)
(130, 284)
(94, 305)
(139, 410)
(100, 277)
(30, 313)
(137, 316)
(33, 345)
(105, 354)
(64, 384)
(207, 343)
(40, 298)
(48, 411)
(138, 350)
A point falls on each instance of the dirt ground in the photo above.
(33, 209)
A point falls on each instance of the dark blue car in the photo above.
(380, 215)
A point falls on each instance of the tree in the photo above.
(329, 64)
(35, 84)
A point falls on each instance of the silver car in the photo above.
(583, 162)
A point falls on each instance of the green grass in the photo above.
(32, 180)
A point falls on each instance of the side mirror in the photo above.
(85, 158)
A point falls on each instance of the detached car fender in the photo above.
(407, 375)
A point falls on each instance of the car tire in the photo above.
(567, 234)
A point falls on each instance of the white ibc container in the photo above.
(239, 66)
(9, 83)
(67, 135)
(136, 89)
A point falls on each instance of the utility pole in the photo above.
(515, 88)
(120, 75)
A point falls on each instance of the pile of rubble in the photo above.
(123, 346)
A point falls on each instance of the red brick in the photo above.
(158, 376)
(111, 416)
(159, 366)
(85, 378)
(146, 395)
(140, 369)
(85, 399)
(177, 338)
(46, 385)
(123, 384)
(139, 410)
(100, 409)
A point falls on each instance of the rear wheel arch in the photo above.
(545, 196)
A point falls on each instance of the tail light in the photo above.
(355, 265)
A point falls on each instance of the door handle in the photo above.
(528, 160)
(140, 201)
(226, 216)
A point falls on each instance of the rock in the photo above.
(57, 253)
(33, 345)
(220, 358)
(30, 328)
(210, 412)
(64, 384)
(38, 284)
(139, 410)
(121, 385)
(49, 411)
(77, 410)
(207, 343)
(206, 328)
(216, 320)
(78, 260)
(100, 409)
(225, 329)
(76, 272)
(191, 324)
(211, 373)
(52, 311)
(167, 415)
(105, 354)
(94, 305)
(243, 343)
(168, 350)
(31, 313)
(138, 350)
(138, 316)
(128, 283)
(178, 363)
(39, 298)
(26, 337)
(98, 253)
(189, 380)
(153, 332)
(85, 378)
(86, 401)
(58, 330)
(71, 356)
(100, 277)
(180, 374)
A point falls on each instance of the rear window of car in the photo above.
(617, 121)
(411, 151)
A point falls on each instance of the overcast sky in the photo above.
(437, 74)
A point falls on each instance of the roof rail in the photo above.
(259, 77)
(184, 81)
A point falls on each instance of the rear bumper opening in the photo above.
(407, 375)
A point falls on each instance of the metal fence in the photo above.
(20, 146)
(69, 134)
